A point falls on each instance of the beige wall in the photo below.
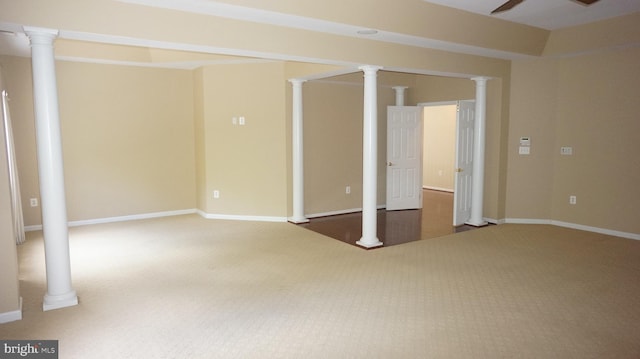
(333, 117)
(439, 148)
(332, 145)
(534, 98)
(587, 102)
(127, 139)
(280, 42)
(247, 164)
(127, 136)
(9, 293)
(560, 83)
(18, 81)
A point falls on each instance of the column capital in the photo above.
(481, 79)
(370, 69)
(297, 81)
(40, 35)
(400, 94)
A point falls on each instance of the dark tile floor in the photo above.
(435, 219)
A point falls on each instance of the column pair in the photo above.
(369, 162)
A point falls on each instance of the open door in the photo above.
(404, 157)
(464, 162)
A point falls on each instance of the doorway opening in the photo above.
(431, 146)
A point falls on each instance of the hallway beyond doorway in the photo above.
(435, 219)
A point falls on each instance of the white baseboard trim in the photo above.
(493, 220)
(610, 232)
(581, 227)
(12, 316)
(241, 217)
(526, 221)
(441, 189)
(118, 219)
(338, 212)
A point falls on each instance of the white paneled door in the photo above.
(464, 162)
(404, 157)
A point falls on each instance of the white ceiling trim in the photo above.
(180, 65)
(22, 41)
(131, 41)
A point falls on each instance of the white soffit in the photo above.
(213, 8)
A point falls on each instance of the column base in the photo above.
(477, 224)
(298, 220)
(369, 244)
(52, 302)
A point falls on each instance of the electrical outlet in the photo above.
(347, 190)
(33, 202)
(216, 194)
(572, 199)
(566, 151)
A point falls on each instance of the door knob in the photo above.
(389, 164)
(459, 169)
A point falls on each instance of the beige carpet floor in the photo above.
(187, 287)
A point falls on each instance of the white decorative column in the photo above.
(370, 159)
(479, 133)
(399, 94)
(59, 294)
(298, 154)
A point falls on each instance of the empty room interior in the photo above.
(165, 167)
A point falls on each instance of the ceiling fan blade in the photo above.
(586, 2)
(508, 6)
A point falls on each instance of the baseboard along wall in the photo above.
(203, 214)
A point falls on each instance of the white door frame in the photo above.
(445, 103)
